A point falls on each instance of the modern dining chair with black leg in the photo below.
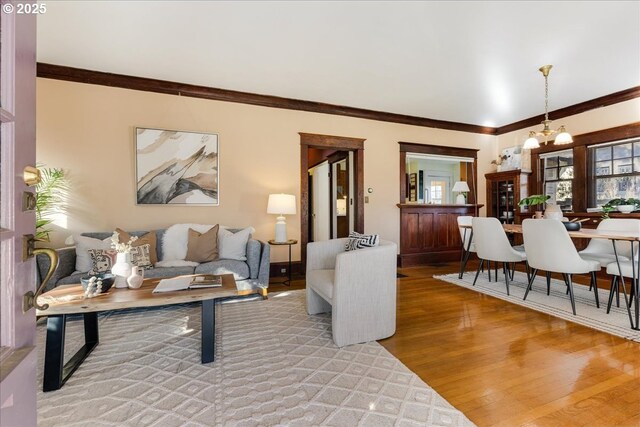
(468, 246)
(492, 244)
(549, 248)
(602, 250)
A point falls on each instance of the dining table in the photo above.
(585, 233)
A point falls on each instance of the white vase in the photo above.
(122, 269)
(553, 212)
(136, 278)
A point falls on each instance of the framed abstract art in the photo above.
(176, 167)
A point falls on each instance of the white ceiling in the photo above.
(468, 62)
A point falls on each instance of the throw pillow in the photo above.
(234, 245)
(202, 247)
(149, 238)
(101, 260)
(83, 244)
(140, 256)
(359, 241)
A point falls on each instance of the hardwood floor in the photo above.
(506, 365)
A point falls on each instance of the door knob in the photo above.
(31, 175)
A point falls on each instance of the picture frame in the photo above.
(176, 167)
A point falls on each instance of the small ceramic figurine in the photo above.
(136, 278)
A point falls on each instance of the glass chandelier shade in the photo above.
(562, 137)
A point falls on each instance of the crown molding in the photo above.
(603, 101)
(80, 75)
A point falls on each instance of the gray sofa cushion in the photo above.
(239, 269)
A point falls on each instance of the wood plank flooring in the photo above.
(506, 365)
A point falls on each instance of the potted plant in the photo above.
(621, 205)
(535, 200)
(51, 195)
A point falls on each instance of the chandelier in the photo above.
(562, 136)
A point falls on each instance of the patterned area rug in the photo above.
(558, 303)
(275, 365)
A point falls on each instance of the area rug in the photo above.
(275, 365)
(557, 303)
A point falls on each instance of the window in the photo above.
(438, 191)
(558, 178)
(616, 171)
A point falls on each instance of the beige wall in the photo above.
(88, 131)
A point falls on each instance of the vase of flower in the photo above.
(122, 269)
(123, 266)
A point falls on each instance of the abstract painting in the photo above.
(176, 167)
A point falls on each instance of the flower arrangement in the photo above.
(121, 247)
(499, 160)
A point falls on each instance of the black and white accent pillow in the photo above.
(359, 241)
(141, 257)
(101, 260)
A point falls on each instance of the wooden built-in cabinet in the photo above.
(504, 191)
(429, 233)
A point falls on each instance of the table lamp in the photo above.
(460, 187)
(281, 204)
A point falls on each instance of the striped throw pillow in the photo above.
(359, 241)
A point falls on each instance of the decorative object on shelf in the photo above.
(136, 278)
(626, 208)
(498, 162)
(122, 268)
(535, 200)
(562, 137)
(621, 205)
(176, 167)
(461, 187)
(281, 205)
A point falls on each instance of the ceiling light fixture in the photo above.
(562, 136)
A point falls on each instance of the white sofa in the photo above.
(358, 287)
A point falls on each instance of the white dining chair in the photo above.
(492, 244)
(627, 269)
(549, 248)
(602, 250)
(468, 245)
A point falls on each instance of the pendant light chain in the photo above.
(546, 97)
(562, 136)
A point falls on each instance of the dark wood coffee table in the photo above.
(69, 299)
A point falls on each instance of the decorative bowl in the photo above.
(572, 226)
(626, 208)
(108, 280)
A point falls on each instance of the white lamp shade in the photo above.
(281, 204)
(563, 138)
(531, 142)
(460, 186)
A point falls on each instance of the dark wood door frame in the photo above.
(356, 145)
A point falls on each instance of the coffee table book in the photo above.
(182, 283)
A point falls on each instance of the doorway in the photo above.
(333, 165)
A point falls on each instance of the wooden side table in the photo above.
(289, 243)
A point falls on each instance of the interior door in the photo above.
(340, 198)
(17, 151)
(320, 207)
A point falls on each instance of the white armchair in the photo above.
(358, 287)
